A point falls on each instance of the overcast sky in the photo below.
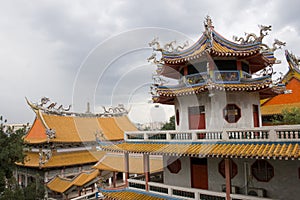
(95, 51)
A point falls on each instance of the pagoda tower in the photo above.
(219, 82)
(218, 87)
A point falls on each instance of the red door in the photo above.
(199, 174)
(197, 117)
(255, 116)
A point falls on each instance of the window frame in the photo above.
(262, 165)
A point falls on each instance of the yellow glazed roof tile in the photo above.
(115, 162)
(128, 195)
(62, 159)
(255, 150)
(78, 129)
(61, 185)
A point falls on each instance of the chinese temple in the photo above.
(61, 148)
(219, 150)
(273, 107)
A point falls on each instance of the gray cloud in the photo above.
(45, 42)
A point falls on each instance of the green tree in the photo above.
(11, 151)
(169, 125)
(291, 116)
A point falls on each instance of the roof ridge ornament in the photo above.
(208, 22)
(276, 45)
(118, 110)
(208, 31)
(251, 38)
(292, 57)
(51, 108)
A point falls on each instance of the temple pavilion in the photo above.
(272, 108)
(61, 148)
(219, 150)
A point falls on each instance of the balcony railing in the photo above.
(186, 193)
(228, 76)
(270, 133)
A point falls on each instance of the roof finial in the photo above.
(208, 22)
(88, 110)
(208, 31)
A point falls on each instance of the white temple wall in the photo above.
(183, 178)
(214, 105)
(285, 171)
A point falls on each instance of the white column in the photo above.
(26, 180)
(124, 177)
(126, 166)
(146, 170)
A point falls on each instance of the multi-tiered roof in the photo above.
(275, 105)
(250, 54)
(55, 134)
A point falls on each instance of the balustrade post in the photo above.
(224, 135)
(168, 136)
(146, 136)
(170, 191)
(197, 195)
(272, 134)
(194, 136)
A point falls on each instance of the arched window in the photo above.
(174, 166)
(233, 169)
(262, 170)
(231, 113)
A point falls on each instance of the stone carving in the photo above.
(158, 80)
(99, 135)
(112, 111)
(50, 134)
(185, 44)
(44, 100)
(44, 157)
(276, 45)
(294, 59)
(208, 33)
(252, 37)
(153, 59)
(156, 45)
(170, 46)
(46, 106)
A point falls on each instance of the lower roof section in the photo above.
(115, 162)
(62, 185)
(277, 109)
(130, 194)
(62, 159)
(261, 150)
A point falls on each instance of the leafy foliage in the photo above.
(287, 116)
(169, 125)
(11, 151)
(291, 116)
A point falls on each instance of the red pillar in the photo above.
(228, 178)
(126, 168)
(239, 65)
(114, 179)
(146, 170)
(185, 71)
